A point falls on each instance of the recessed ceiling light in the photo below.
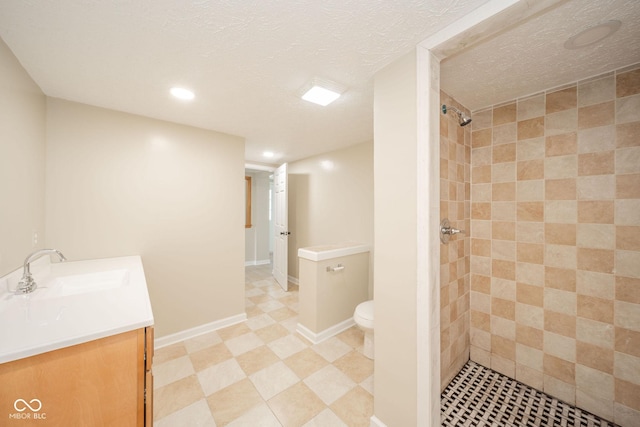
(320, 95)
(592, 35)
(268, 154)
(182, 93)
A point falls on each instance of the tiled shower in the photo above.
(545, 286)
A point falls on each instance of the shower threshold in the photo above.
(478, 396)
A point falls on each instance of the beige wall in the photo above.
(395, 166)
(455, 176)
(331, 204)
(555, 249)
(22, 157)
(119, 184)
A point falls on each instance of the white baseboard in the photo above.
(258, 262)
(375, 422)
(293, 280)
(327, 333)
(198, 330)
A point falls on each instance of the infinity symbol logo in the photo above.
(26, 405)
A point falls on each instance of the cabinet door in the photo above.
(148, 381)
(90, 384)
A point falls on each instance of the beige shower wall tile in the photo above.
(560, 389)
(596, 405)
(597, 333)
(530, 211)
(481, 174)
(530, 169)
(599, 285)
(600, 260)
(560, 234)
(504, 114)
(481, 138)
(592, 356)
(529, 315)
(480, 265)
(530, 232)
(503, 230)
(627, 160)
(504, 191)
(628, 109)
(599, 383)
(627, 393)
(481, 192)
(481, 156)
(529, 191)
(504, 153)
(530, 253)
(628, 135)
(529, 294)
(598, 187)
(561, 211)
(528, 355)
(597, 236)
(627, 367)
(504, 134)
(503, 211)
(596, 91)
(600, 163)
(533, 106)
(597, 309)
(560, 369)
(628, 237)
(531, 274)
(597, 139)
(503, 172)
(481, 229)
(482, 119)
(561, 122)
(561, 100)
(628, 83)
(602, 114)
(560, 256)
(627, 212)
(628, 263)
(561, 167)
(560, 346)
(628, 290)
(596, 211)
(503, 328)
(531, 128)
(628, 186)
(560, 301)
(530, 149)
(563, 279)
(560, 145)
(560, 189)
(560, 323)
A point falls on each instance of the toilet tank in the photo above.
(333, 280)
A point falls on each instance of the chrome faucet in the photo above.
(27, 284)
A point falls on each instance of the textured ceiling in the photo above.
(531, 57)
(245, 60)
(248, 60)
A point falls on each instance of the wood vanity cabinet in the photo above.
(105, 382)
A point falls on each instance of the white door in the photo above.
(281, 228)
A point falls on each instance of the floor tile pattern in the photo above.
(478, 396)
(261, 372)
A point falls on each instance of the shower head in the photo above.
(463, 119)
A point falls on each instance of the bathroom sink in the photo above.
(90, 282)
(75, 284)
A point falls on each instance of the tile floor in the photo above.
(261, 372)
(478, 396)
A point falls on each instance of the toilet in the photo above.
(363, 316)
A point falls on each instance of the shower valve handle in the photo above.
(446, 231)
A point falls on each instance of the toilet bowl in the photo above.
(363, 316)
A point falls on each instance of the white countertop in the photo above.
(324, 252)
(75, 302)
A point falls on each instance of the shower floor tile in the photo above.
(478, 396)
